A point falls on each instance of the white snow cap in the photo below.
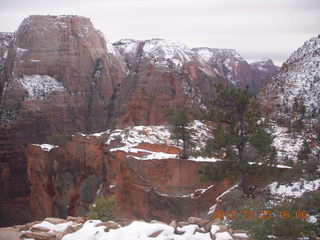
(163, 49)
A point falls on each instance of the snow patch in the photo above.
(40, 86)
(46, 147)
(130, 138)
(286, 144)
(295, 190)
(223, 236)
(136, 230)
(61, 227)
(212, 208)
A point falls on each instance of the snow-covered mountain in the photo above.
(296, 89)
(161, 74)
(235, 69)
(163, 52)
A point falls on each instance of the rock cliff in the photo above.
(139, 165)
(161, 74)
(59, 76)
(294, 92)
(235, 69)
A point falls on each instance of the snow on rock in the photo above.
(131, 137)
(217, 54)
(223, 236)
(214, 229)
(40, 86)
(163, 50)
(136, 230)
(287, 145)
(110, 48)
(240, 235)
(308, 48)
(212, 208)
(61, 227)
(223, 61)
(297, 82)
(295, 190)
(46, 147)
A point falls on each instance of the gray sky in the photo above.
(255, 28)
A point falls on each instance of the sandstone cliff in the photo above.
(161, 74)
(60, 75)
(139, 165)
(5, 39)
(235, 69)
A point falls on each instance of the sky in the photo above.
(257, 29)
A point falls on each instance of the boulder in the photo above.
(155, 234)
(38, 235)
(199, 221)
(76, 219)
(109, 225)
(39, 229)
(182, 224)
(174, 224)
(55, 220)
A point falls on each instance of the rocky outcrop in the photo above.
(161, 75)
(235, 69)
(294, 92)
(145, 174)
(76, 228)
(265, 69)
(60, 76)
(5, 39)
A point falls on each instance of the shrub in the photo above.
(57, 139)
(103, 209)
(88, 189)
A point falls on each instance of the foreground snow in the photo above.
(141, 230)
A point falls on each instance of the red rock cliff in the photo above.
(59, 76)
(143, 171)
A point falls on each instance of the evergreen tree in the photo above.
(179, 121)
(241, 135)
(304, 153)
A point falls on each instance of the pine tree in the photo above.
(304, 153)
(179, 121)
(241, 135)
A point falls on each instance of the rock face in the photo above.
(235, 69)
(294, 92)
(59, 76)
(161, 74)
(5, 39)
(265, 69)
(136, 164)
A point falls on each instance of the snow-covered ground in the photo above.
(287, 145)
(143, 231)
(293, 190)
(131, 137)
(93, 230)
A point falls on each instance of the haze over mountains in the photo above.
(58, 74)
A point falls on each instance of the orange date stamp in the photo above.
(263, 214)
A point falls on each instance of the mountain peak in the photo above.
(308, 47)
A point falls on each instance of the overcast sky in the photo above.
(255, 28)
